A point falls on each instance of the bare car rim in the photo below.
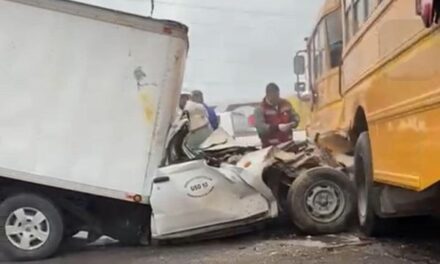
(27, 228)
(325, 202)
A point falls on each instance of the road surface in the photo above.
(417, 243)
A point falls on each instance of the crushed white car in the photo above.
(226, 186)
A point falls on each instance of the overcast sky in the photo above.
(236, 46)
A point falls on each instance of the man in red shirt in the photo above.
(275, 118)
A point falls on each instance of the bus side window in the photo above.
(356, 14)
(315, 57)
(317, 61)
(334, 36)
(311, 58)
(319, 50)
(323, 65)
(359, 8)
(348, 19)
(370, 5)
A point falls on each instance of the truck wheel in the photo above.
(31, 227)
(320, 201)
(370, 224)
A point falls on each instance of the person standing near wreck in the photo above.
(199, 127)
(275, 118)
(198, 120)
(197, 96)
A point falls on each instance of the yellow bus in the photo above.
(374, 71)
(303, 110)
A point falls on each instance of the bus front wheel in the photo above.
(370, 223)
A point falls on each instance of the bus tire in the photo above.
(369, 222)
(31, 227)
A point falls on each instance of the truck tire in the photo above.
(321, 201)
(31, 227)
(370, 224)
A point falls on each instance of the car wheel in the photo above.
(320, 201)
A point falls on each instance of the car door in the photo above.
(193, 198)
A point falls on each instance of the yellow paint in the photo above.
(303, 109)
(391, 70)
(327, 111)
(328, 7)
(148, 105)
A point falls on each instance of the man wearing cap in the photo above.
(197, 96)
(275, 118)
(199, 127)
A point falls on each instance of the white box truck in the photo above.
(88, 96)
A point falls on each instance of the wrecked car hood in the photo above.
(220, 140)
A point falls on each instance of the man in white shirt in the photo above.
(199, 126)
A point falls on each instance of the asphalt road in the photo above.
(417, 242)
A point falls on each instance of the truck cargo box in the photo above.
(87, 95)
